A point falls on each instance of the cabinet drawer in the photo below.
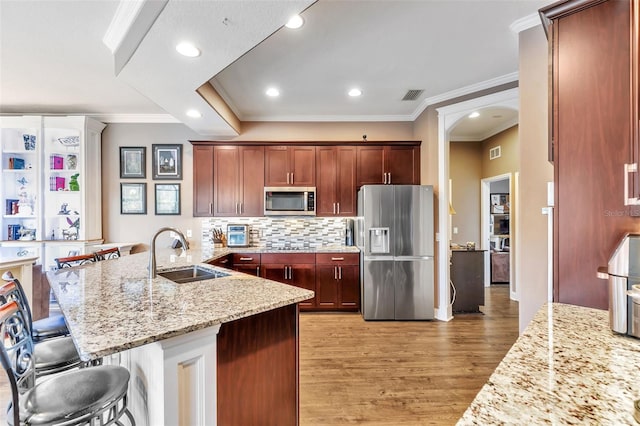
(337, 258)
(290, 258)
(246, 258)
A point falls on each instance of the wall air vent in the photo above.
(495, 152)
(412, 94)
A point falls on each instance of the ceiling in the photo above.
(53, 58)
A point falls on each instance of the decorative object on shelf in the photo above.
(167, 199)
(167, 161)
(29, 142)
(71, 233)
(22, 181)
(64, 209)
(69, 141)
(56, 183)
(72, 161)
(133, 163)
(27, 234)
(133, 198)
(73, 183)
(56, 162)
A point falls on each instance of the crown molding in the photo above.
(330, 118)
(135, 118)
(525, 23)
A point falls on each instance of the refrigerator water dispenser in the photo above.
(379, 239)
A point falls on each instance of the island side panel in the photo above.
(258, 369)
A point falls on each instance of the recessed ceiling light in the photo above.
(474, 114)
(194, 113)
(272, 92)
(294, 22)
(355, 92)
(188, 49)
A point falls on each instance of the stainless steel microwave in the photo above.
(289, 201)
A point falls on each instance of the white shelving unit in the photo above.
(51, 187)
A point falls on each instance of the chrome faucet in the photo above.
(152, 247)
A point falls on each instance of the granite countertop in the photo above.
(111, 306)
(567, 367)
(219, 252)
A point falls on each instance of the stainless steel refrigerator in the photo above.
(395, 235)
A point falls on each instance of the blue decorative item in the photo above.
(22, 181)
(29, 142)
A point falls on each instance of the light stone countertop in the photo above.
(218, 252)
(111, 306)
(567, 367)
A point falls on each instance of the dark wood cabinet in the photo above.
(203, 180)
(223, 262)
(388, 164)
(290, 166)
(257, 369)
(238, 180)
(467, 275)
(337, 281)
(336, 181)
(297, 269)
(249, 263)
(593, 138)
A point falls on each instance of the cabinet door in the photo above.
(349, 287)
(326, 180)
(252, 181)
(327, 287)
(402, 163)
(370, 165)
(225, 180)
(203, 181)
(276, 166)
(346, 181)
(304, 276)
(302, 165)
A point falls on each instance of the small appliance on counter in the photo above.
(237, 235)
(623, 273)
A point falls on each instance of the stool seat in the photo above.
(55, 355)
(46, 328)
(81, 393)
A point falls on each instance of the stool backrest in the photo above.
(106, 254)
(70, 261)
(13, 291)
(16, 353)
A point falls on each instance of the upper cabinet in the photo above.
(336, 180)
(290, 166)
(52, 190)
(594, 139)
(228, 180)
(388, 164)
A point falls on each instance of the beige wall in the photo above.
(465, 172)
(140, 228)
(508, 161)
(535, 172)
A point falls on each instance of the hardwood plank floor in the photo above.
(400, 373)
(394, 373)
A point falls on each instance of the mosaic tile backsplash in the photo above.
(283, 232)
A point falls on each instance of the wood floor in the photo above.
(394, 373)
(400, 373)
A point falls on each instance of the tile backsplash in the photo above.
(282, 232)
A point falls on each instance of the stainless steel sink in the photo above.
(192, 273)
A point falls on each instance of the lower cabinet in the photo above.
(298, 269)
(467, 275)
(337, 281)
(249, 263)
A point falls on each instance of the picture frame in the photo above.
(167, 161)
(133, 198)
(133, 162)
(499, 203)
(167, 198)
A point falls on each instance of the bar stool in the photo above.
(106, 254)
(95, 395)
(51, 355)
(71, 261)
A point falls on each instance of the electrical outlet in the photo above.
(189, 233)
(455, 229)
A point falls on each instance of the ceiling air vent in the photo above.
(412, 94)
(495, 153)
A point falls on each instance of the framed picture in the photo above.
(499, 203)
(133, 198)
(133, 162)
(167, 161)
(168, 198)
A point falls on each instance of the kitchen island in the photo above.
(216, 351)
(567, 367)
